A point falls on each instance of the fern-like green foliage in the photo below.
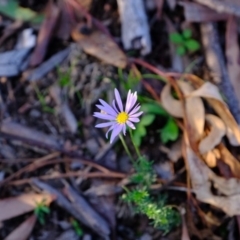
(162, 216)
(144, 175)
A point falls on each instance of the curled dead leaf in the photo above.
(194, 111)
(230, 160)
(217, 131)
(207, 90)
(210, 159)
(211, 93)
(202, 178)
(172, 106)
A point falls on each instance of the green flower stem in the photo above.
(126, 147)
(135, 146)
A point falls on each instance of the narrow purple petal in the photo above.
(103, 116)
(128, 101)
(136, 115)
(116, 132)
(130, 125)
(131, 102)
(110, 129)
(133, 119)
(106, 124)
(134, 99)
(108, 110)
(134, 110)
(114, 106)
(118, 99)
(107, 106)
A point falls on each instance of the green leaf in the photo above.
(176, 38)
(45, 209)
(170, 131)
(137, 138)
(11, 9)
(181, 50)
(141, 130)
(77, 228)
(187, 33)
(192, 45)
(147, 119)
(153, 108)
(154, 76)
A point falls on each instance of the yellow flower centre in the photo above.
(122, 117)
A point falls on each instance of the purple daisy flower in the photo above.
(118, 118)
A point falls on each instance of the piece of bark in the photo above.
(88, 215)
(194, 12)
(11, 61)
(216, 64)
(233, 54)
(68, 235)
(79, 208)
(18, 130)
(135, 29)
(223, 6)
(45, 34)
(47, 66)
(26, 39)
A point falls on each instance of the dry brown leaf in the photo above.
(210, 159)
(172, 106)
(202, 178)
(101, 46)
(230, 160)
(212, 220)
(15, 206)
(207, 90)
(218, 130)
(175, 151)
(233, 54)
(23, 231)
(194, 111)
(86, 3)
(211, 93)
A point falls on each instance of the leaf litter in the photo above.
(54, 115)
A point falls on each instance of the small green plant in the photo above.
(144, 172)
(162, 216)
(77, 228)
(151, 110)
(41, 210)
(129, 81)
(42, 101)
(170, 131)
(184, 41)
(65, 81)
